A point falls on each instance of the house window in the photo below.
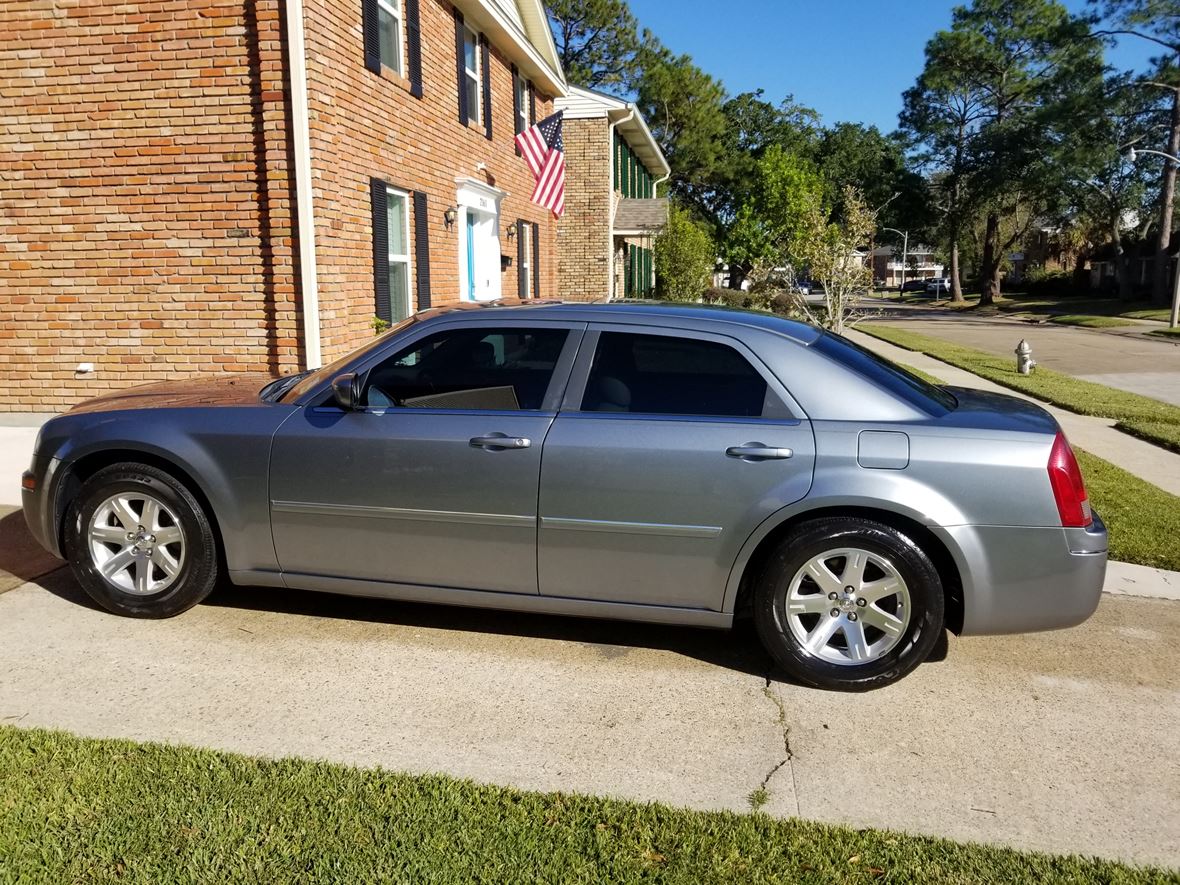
(471, 74)
(525, 232)
(389, 24)
(521, 85)
(398, 214)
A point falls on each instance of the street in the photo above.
(1064, 742)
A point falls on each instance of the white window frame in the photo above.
(522, 103)
(406, 258)
(526, 265)
(396, 13)
(475, 75)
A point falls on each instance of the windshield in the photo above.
(314, 379)
(895, 379)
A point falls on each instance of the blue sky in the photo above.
(848, 59)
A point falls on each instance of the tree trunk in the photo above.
(1159, 277)
(956, 282)
(1121, 267)
(989, 265)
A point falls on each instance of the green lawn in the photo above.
(78, 810)
(1150, 419)
(1166, 333)
(1093, 322)
(1143, 520)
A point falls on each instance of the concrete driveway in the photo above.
(1066, 742)
(1148, 366)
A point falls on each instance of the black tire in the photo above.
(810, 540)
(197, 574)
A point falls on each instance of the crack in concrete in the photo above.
(761, 795)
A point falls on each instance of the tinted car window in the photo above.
(664, 375)
(504, 369)
(890, 376)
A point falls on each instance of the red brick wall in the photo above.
(146, 191)
(144, 227)
(364, 125)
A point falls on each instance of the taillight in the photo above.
(1068, 488)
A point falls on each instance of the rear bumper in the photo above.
(1020, 579)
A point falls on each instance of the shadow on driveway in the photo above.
(21, 558)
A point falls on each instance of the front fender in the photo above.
(223, 452)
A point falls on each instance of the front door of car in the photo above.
(670, 449)
(433, 480)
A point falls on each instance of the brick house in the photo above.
(604, 240)
(198, 185)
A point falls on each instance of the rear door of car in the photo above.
(435, 480)
(670, 448)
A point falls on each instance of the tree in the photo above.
(1029, 69)
(685, 257)
(940, 114)
(1158, 22)
(598, 42)
(830, 250)
(785, 191)
(683, 107)
(1114, 195)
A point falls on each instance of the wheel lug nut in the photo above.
(849, 589)
(852, 616)
(835, 613)
(832, 596)
(131, 536)
(862, 603)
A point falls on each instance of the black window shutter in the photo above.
(414, 47)
(485, 70)
(422, 249)
(536, 261)
(522, 281)
(372, 35)
(460, 67)
(532, 106)
(379, 199)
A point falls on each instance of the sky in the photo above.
(851, 60)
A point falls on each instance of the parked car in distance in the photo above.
(661, 463)
(912, 286)
(938, 286)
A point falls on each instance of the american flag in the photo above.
(544, 151)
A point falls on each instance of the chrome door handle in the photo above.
(498, 442)
(756, 451)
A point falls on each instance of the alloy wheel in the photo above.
(847, 606)
(136, 543)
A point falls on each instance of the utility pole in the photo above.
(905, 248)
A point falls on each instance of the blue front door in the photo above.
(470, 256)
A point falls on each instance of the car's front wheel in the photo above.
(139, 543)
(849, 604)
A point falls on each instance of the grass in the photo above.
(1070, 309)
(1155, 313)
(1143, 520)
(1092, 322)
(1166, 333)
(1155, 421)
(79, 810)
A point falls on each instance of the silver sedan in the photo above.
(669, 464)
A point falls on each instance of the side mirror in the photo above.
(347, 390)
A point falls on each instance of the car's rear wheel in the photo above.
(139, 543)
(849, 604)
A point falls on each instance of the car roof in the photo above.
(646, 312)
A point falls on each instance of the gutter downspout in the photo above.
(610, 185)
(655, 192)
(301, 138)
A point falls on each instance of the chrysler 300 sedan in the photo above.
(669, 464)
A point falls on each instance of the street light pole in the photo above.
(905, 248)
(1174, 319)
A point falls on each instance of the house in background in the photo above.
(920, 264)
(612, 213)
(198, 187)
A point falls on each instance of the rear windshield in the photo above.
(906, 385)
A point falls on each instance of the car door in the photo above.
(434, 480)
(671, 447)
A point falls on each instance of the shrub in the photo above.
(1042, 282)
(685, 255)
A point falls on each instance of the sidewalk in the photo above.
(1096, 435)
